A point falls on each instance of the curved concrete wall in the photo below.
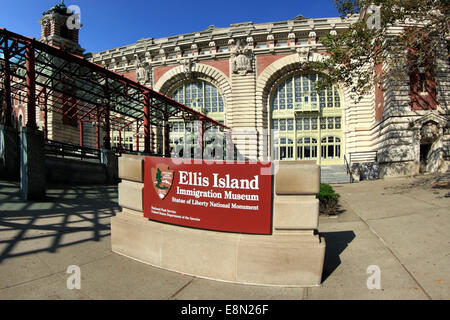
(291, 256)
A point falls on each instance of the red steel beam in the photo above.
(88, 112)
(147, 123)
(7, 85)
(31, 87)
(74, 105)
(81, 133)
(108, 73)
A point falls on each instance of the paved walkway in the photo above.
(400, 225)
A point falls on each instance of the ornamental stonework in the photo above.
(429, 132)
(242, 58)
(142, 71)
(188, 66)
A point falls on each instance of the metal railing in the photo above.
(349, 172)
(70, 151)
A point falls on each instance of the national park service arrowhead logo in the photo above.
(162, 179)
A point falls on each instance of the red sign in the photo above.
(234, 197)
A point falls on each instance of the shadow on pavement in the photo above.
(336, 243)
(69, 215)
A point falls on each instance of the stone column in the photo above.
(9, 154)
(32, 164)
(109, 159)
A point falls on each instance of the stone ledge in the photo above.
(131, 167)
(131, 195)
(294, 259)
(295, 213)
(297, 178)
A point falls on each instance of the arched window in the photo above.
(303, 115)
(205, 98)
(47, 29)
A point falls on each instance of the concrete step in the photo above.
(333, 168)
(334, 174)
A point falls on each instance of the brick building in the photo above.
(252, 78)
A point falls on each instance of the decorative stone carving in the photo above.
(241, 58)
(303, 54)
(188, 66)
(142, 72)
(429, 132)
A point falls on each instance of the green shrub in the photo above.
(328, 199)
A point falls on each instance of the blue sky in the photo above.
(111, 24)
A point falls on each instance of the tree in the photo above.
(159, 179)
(375, 37)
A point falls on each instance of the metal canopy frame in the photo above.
(82, 90)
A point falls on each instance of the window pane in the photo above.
(314, 123)
(337, 121)
(275, 124)
(330, 123)
(299, 152)
(282, 153)
(290, 124)
(290, 152)
(324, 152)
(200, 95)
(307, 150)
(298, 124)
(306, 124)
(330, 152)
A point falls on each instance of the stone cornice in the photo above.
(285, 30)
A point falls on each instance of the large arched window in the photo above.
(305, 116)
(205, 98)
